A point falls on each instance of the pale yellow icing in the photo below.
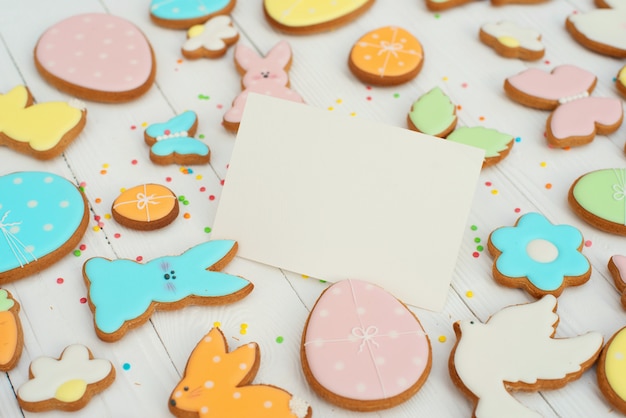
(298, 13)
(615, 364)
(622, 76)
(509, 41)
(41, 125)
(71, 391)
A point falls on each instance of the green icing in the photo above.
(6, 303)
(490, 140)
(602, 193)
(432, 113)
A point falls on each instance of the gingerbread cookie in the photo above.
(11, 335)
(516, 350)
(67, 383)
(496, 144)
(539, 257)
(219, 383)
(439, 5)
(122, 294)
(433, 114)
(145, 207)
(172, 142)
(362, 349)
(96, 56)
(41, 130)
(263, 75)
(600, 30)
(386, 56)
(42, 217)
(183, 14)
(211, 39)
(598, 199)
(512, 41)
(303, 17)
(576, 118)
(611, 371)
(617, 268)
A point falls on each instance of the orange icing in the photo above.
(145, 203)
(387, 51)
(215, 384)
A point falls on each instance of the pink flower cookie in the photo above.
(576, 118)
(97, 57)
(262, 75)
(362, 349)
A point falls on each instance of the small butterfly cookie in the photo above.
(218, 383)
(172, 142)
(600, 30)
(576, 118)
(512, 41)
(210, 40)
(183, 14)
(122, 294)
(41, 130)
(11, 335)
(67, 383)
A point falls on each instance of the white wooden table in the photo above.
(110, 154)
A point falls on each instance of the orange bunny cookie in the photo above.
(217, 383)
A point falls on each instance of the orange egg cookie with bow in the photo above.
(145, 207)
(386, 56)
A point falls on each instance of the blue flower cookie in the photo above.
(539, 257)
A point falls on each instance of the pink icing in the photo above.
(96, 51)
(362, 343)
(578, 118)
(620, 263)
(563, 82)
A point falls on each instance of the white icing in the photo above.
(573, 97)
(606, 26)
(527, 38)
(542, 251)
(49, 373)
(515, 345)
(211, 38)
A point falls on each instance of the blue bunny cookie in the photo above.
(42, 217)
(123, 294)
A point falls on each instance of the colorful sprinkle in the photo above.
(469, 294)
(476, 240)
(98, 200)
(473, 227)
(117, 235)
(126, 366)
(475, 254)
(280, 339)
(518, 139)
(83, 300)
(396, 95)
(82, 247)
(138, 258)
(217, 324)
(96, 228)
(543, 164)
(187, 215)
(494, 192)
(77, 253)
(134, 162)
(548, 186)
(588, 243)
(517, 210)
(203, 97)
(442, 339)
(211, 197)
(60, 280)
(207, 229)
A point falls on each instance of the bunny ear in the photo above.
(211, 346)
(211, 255)
(246, 57)
(280, 54)
(18, 98)
(243, 364)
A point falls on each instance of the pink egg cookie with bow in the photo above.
(97, 57)
(362, 349)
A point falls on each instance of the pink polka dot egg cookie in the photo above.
(97, 57)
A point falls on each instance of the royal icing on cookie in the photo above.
(40, 213)
(538, 256)
(515, 349)
(495, 144)
(388, 55)
(66, 381)
(123, 293)
(433, 114)
(182, 14)
(363, 349)
(601, 30)
(210, 40)
(512, 41)
(40, 127)
(599, 197)
(312, 15)
(96, 56)
(144, 205)
(217, 383)
(620, 80)
(172, 142)
(612, 370)
(578, 117)
(11, 337)
(263, 75)
(617, 268)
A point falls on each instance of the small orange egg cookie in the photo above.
(386, 56)
(145, 207)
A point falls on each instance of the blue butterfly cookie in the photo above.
(172, 142)
(123, 294)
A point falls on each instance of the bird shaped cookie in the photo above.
(515, 350)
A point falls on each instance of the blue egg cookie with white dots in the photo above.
(43, 216)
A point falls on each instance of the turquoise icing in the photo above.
(186, 9)
(39, 212)
(181, 145)
(180, 123)
(122, 290)
(516, 263)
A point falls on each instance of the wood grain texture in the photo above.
(110, 155)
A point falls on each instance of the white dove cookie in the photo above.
(515, 350)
